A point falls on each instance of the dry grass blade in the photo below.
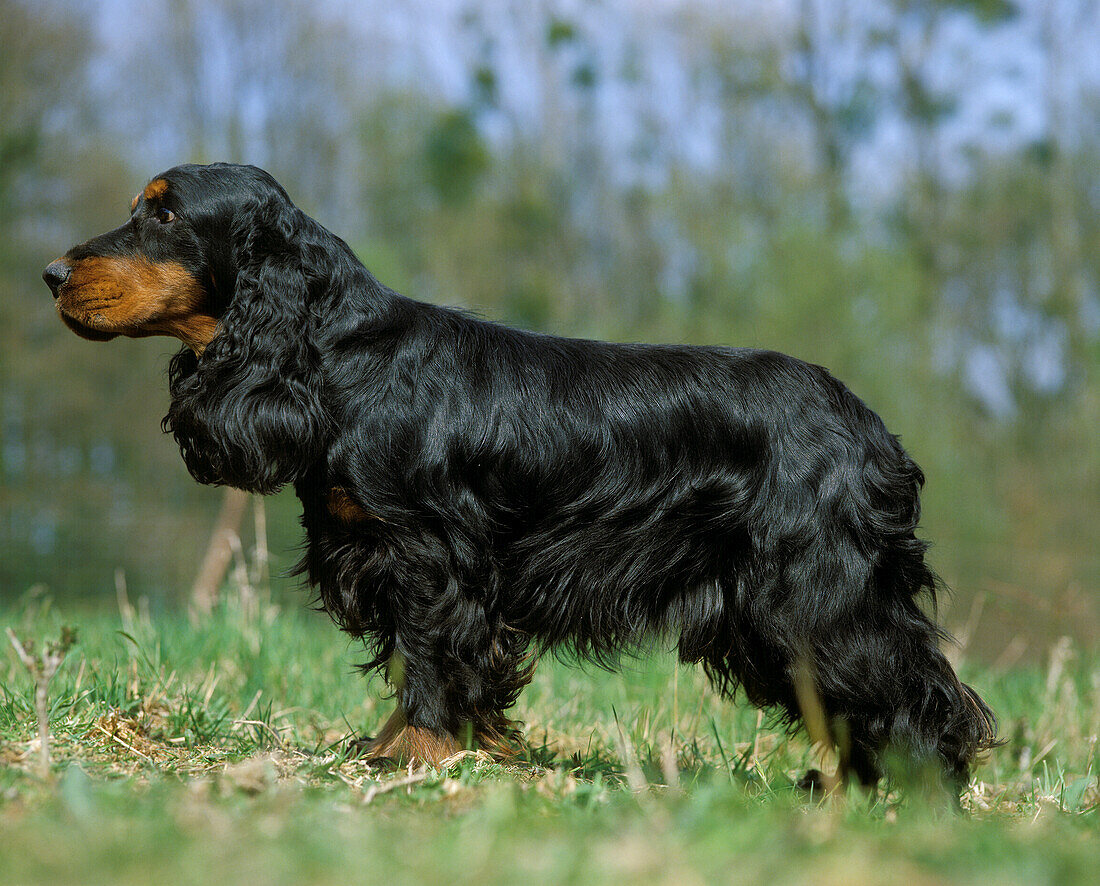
(813, 716)
(387, 786)
(42, 667)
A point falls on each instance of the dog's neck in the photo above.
(197, 332)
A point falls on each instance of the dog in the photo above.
(474, 495)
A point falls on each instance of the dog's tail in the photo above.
(942, 719)
(938, 717)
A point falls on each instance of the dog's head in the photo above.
(220, 258)
(172, 268)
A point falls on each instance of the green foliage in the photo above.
(485, 86)
(987, 11)
(560, 31)
(858, 114)
(924, 106)
(585, 76)
(455, 157)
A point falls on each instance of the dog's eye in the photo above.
(165, 215)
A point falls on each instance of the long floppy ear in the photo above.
(248, 412)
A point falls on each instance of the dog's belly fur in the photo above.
(642, 574)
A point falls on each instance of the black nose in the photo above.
(56, 273)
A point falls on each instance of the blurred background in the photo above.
(906, 191)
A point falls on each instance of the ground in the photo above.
(215, 752)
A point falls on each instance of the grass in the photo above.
(216, 754)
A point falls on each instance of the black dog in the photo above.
(473, 494)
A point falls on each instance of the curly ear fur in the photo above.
(248, 412)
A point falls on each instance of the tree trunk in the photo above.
(204, 593)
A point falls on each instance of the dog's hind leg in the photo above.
(903, 708)
(877, 678)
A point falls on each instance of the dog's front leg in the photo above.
(456, 671)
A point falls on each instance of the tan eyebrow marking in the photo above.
(155, 188)
(133, 203)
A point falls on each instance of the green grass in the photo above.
(214, 753)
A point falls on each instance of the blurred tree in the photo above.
(836, 122)
(243, 81)
(926, 103)
(1068, 170)
(40, 50)
(455, 156)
